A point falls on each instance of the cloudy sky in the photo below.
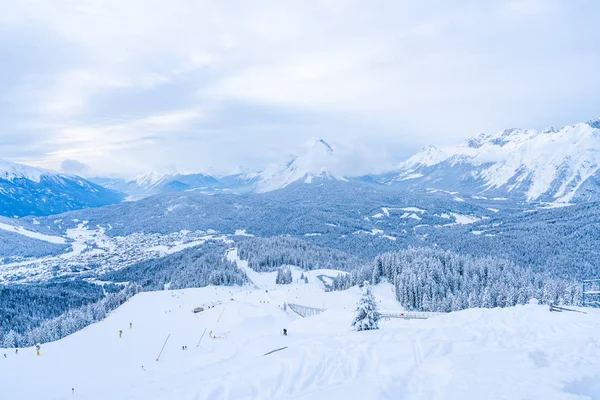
(123, 87)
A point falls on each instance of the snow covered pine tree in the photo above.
(367, 316)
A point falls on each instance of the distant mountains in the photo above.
(553, 165)
(550, 165)
(315, 163)
(26, 190)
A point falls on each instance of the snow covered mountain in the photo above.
(550, 165)
(317, 162)
(152, 183)
(26, 190)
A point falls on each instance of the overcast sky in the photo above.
(128, 86)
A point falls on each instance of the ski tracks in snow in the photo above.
(431, 372)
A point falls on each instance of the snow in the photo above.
(384, 212)
(150, 179)
(413, 209)
(411, 176)
(318, 160)
(534, 161)
(34, 235)
(411, 215)
(523, 352)
(242, 232)
(11, 171)
(464, 219)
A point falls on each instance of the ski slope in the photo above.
(524, 352)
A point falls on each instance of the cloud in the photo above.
(198, 85)
(74, 167)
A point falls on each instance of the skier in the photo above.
(73, 390)
(130, 325)
(284, 332)
(16, 351)
(120, 334)
(4, 355)
(38, 347)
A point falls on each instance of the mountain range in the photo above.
(552, 165)
(316, 162)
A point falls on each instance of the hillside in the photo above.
(522, 352)
(26, 190)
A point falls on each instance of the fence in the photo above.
(590, 293)
(304, 311)
(409, 315)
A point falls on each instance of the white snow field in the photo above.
(523, 352)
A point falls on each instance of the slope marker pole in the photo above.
(198, 345)
(161, 350)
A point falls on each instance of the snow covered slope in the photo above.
(522, 352)
(551, 165)
(26, 190)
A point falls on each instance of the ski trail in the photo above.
(417, 352)
(420, 386)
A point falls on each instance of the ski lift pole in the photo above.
(198, 345)
(220, 315)
(161, 350)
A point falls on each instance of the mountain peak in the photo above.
(594, 123)
(316, 161)
(317, 144)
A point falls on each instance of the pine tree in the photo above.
(284, 276)
(367, 316)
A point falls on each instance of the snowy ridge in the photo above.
(150, 179)
(11, 171)
(550, 164)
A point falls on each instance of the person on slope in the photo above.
(130, 325)
(120, 334)
(16, 351)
